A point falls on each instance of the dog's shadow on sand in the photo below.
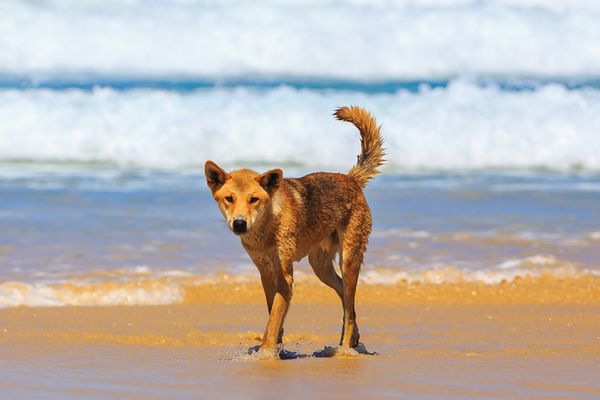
(326, 352)
(329, 352)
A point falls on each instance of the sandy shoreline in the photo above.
(238, 310)
(545, 289)
(517, 343)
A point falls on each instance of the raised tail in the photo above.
(371, 143)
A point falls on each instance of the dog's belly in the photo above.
(328, 243)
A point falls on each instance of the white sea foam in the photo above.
(14, 294)
(507, 271)
(352, 39)
(537, 260)
(594, 235)
(463, 126)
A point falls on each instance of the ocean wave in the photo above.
(461, 126)
(369, 40)
(143, 286)
(153, 292)
(508, 271)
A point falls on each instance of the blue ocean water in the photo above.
(107, 224)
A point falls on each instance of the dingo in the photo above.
(280, 221)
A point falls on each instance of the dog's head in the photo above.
(243, 196)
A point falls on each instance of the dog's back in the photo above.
(322, 203)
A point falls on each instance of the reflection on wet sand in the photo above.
(426, 348)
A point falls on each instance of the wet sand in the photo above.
(529, 339)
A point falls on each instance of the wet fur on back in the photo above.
(320, 215)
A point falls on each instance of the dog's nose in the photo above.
(240, 226)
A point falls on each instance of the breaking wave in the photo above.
(351, 39)
(462, 126)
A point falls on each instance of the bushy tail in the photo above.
(372, 152)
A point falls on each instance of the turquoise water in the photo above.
(89, 83)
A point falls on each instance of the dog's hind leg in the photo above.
(354, 245)
(321, 262)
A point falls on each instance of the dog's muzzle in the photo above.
(239, 226)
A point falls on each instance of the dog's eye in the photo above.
(253, 200)
(229, 199)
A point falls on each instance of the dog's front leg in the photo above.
(267, 265)
(283, 276)
(269, 286)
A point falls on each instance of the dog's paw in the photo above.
(327, 351)
(360, 348)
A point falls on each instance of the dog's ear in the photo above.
(270, 180)
(215, 176)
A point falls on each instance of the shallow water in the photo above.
(151, 234)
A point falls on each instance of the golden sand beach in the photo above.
(533, 338)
